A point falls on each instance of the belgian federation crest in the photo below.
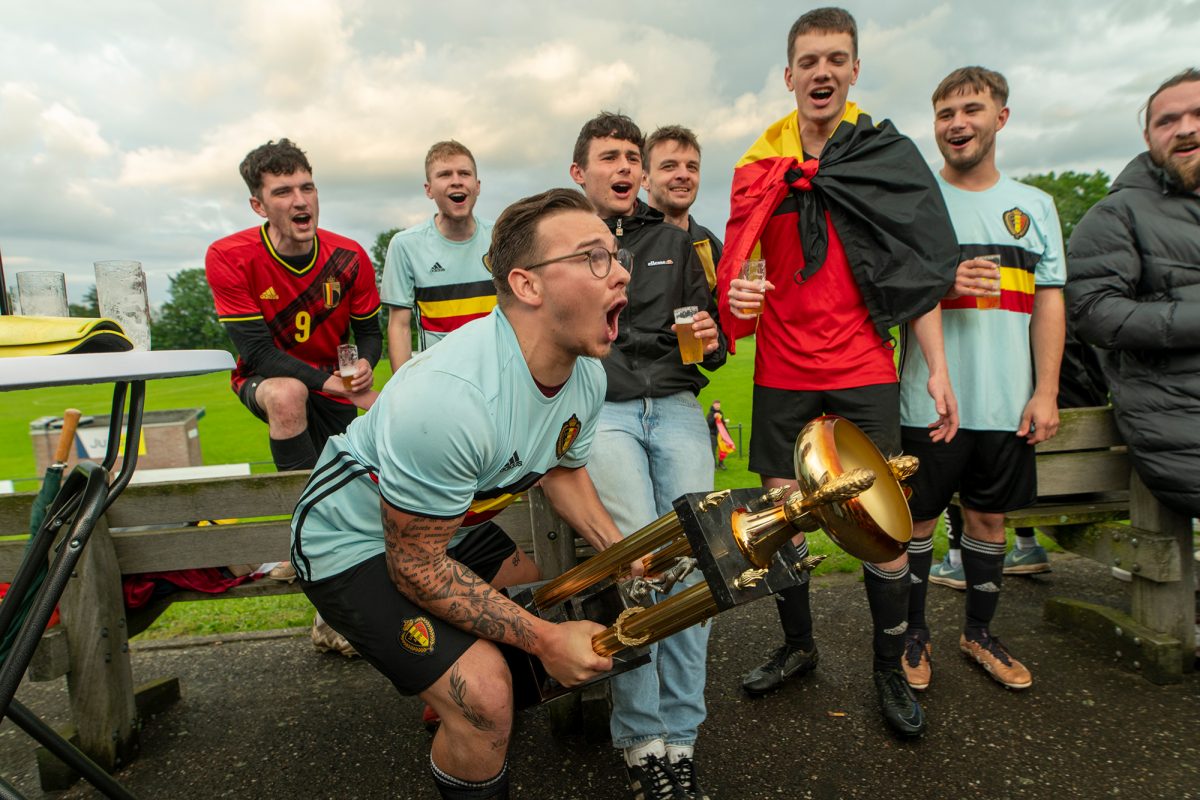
(417, 636)
(333, 293)
(1017, 222)
(567, 436)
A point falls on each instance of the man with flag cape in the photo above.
(857, 240)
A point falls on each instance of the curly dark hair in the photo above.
(604, 125)
(278, 158)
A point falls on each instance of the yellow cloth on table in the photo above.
(52, 336)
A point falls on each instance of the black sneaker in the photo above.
(685, 776)
(653, 779)
(786, 662)
(899, 705)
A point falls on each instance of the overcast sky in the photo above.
(122, 122)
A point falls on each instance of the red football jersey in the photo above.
(308, 310)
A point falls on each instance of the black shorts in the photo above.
(326, 416)
(992, 471)
(780, 414)
(410, 646)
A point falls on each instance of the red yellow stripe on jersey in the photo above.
(1016, 292)
(442, 309)
(266, 240)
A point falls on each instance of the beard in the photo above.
(1184, 171)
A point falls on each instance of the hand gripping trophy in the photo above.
(741, 541)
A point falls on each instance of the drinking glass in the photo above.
(121, 295)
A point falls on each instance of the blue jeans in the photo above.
(647, 453)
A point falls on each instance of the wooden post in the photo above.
(100, 682)
(1168, 607)
(553, 538)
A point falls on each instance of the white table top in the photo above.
(35, 372)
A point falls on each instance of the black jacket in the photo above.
(1134, 290)
(666, 274)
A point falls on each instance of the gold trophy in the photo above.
(739, 539)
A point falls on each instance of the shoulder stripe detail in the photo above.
(366, 316)
(342, 471)
(241, 318)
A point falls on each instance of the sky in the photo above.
(122, 122)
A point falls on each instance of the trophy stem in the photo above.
(610, 562)
(674, 614)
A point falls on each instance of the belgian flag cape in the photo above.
(882, 199)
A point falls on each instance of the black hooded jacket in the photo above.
(666, 275)
(1134, 290)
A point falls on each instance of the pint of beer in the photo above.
(991, 301)
(347, 364)
(755, 269)
(691, 349)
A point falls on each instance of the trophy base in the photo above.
(601, 603)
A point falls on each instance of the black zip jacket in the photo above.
(1133, 290)
(666, 274)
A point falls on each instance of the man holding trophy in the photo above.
(392, 537)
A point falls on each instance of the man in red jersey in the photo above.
(857, 240)
(288, 294)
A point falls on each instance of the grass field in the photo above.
(229, 434)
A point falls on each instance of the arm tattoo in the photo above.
(424, 573)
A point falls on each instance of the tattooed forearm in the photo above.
(421, 569)
(458, 693)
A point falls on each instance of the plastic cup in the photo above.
(755, 270)
(121, 295)
(691, 349)
(43, 294)
(990, 302)
(347, 364)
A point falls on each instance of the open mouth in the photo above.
(822, 94)
(622, 188)
(1187, 149)
(611, 316)
(302, 219)
(458, 197)
(959, 141)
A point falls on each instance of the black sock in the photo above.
(887, 594)
(920, 558)
(451, 788)
(294, 453)
(954, 526)
(795, 613)
(983, 567)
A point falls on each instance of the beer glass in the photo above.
(42, 294)
(691, 349)
(990, 302)
(121, 295)
(347, 364)
(755, 270)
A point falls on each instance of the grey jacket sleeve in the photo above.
(1108, 305)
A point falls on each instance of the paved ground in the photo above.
(274, 718)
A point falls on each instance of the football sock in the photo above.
(294, 453)
(920, 559)
(983, 566)
(795, 613)
(887, 595)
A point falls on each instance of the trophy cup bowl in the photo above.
(875, 526)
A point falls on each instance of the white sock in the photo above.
(637, 754)
(1026, 542)
(955, 557)
(678, 751)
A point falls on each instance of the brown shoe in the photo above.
(995, 658)
(917, 658)
(325, 639)
(283, 571)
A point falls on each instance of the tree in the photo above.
(188, 320)
(378, 256)
(1073, 192)
(90, 307)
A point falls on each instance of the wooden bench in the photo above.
(151, 528)
(1087, 489)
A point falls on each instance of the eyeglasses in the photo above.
(599, 260)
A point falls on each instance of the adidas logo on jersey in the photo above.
(269, 294)
(437, 267)
(513, 462)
